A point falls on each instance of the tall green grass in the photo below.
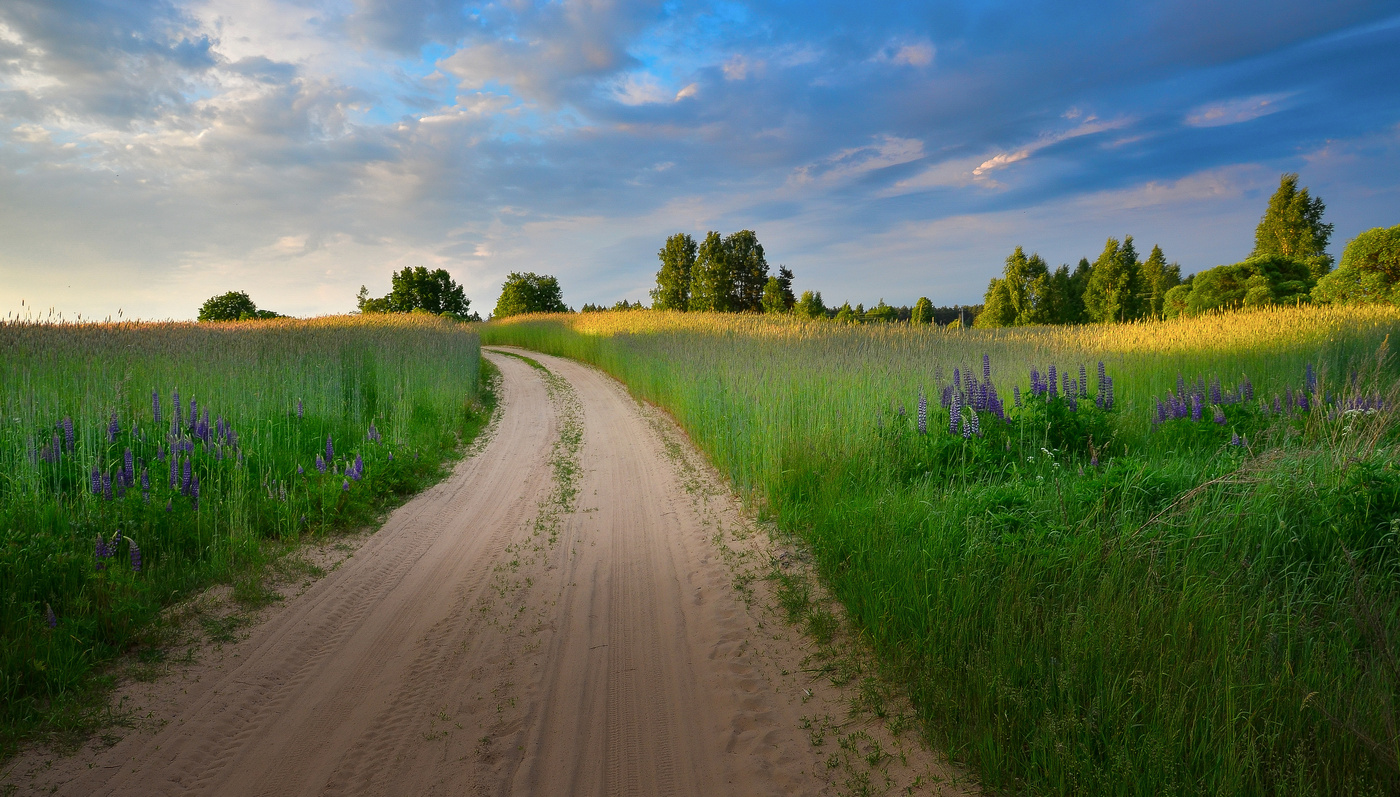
(393, 395)
(1185, 617)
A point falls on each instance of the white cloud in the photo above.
(1233, 112)
(850, 163)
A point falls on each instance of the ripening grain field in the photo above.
(1156, 558)
(141, 461)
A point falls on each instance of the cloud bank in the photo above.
(155, 153)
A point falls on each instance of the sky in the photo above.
(155, 153)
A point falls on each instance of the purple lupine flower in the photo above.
(987, 367)
(106, 487)
(113, 429)
(135, 555)
(100, 552)
(299, 408)
(233, 440)
(1234, 438)
(49, 617)
(130, 470)
(923, 415)
(967, 425)
(1083, 381)
(300, 470)
(359, 468)
(975, 424)
(1103, 375)
(1071, 402)
(68, 432)
(320, 463)
(391, 456)
(1052, 383)
(330, 449)
(1247, 390)
(1278, 407)
(169, 504)
(1311, 378)
(1016, 395)
(955, 413)
(345, 486)
(1161, 416)
(1288, 398)
(188, 478)
(194, 487)
(1195, 408)
(957, 378)
(1093, 457)
(1108, 385)
(1219, 416)
(194, 413)
(146, 484)
(1304, 403)
(174, 469)
(155, 405)
(1215, 390)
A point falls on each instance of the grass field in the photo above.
(1093, 592)
(139, 462)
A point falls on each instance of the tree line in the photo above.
(1289, 264)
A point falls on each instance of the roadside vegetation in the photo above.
(145, 461)
(1172, 573)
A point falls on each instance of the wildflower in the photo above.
(1195, 408)
(1083, 381)
(169, 504)
(374, 433)
(391, 456)
(300, 470)
(345, 486)
(987, 368)
(146, 484)
(101, 552)
(1311, 378)
(955, 414)
(1051, 382)
(49, 617)
(974, 424)
(113, 429)
(1234, 438)
(1277, 407)
(330, 450)
(106, 487)
(1108, 389)
(194, 413)
(174, 470)
(967, 426)
(130, 467)
(1304, 403)
(135, 555)
(299, 408)
(1247, 390)
(320, 463)
(1093, 458)
(1215, 390)
(923, 415)
(68, 432)
(194, 488)
(188, 478)
(1016, 395)
(155, 405)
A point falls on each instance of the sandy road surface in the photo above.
(558, 617)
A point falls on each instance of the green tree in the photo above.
(846, 314)
(997, 309)
(810, 305)
(1027, 282)
(1158, 277)
(672, 290)
(1292, 227)
(785, 286)
(882, 313)
(415, 288)
(1369, 272)
(230, 306)
(1115, 284)
(773, 301)
(711, 284)
(529, 293)
(923, 311)
(748, 269)
(1256, 282)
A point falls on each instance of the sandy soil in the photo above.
(578, 609)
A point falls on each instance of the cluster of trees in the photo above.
(233, 306)
(416, 289)
(528, 292)
(1115, 287)
(1289, 264)
(721, 274)
(1369, 272)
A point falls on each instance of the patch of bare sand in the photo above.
(580, 608)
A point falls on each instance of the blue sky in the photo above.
(153, 154)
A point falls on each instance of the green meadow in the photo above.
(140, 462)
(1180, 578)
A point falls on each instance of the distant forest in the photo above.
(1289, 264)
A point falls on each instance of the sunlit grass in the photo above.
(286, 427)
(1151, 611)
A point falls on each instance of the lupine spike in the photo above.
(49, 617)
(113, 429)
(155, 405)
(135, 555)
(330, 449)
(923, 413)
(987, 367)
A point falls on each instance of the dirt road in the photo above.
(558, 617)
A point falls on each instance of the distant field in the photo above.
(142, 461)
(1190, 588)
